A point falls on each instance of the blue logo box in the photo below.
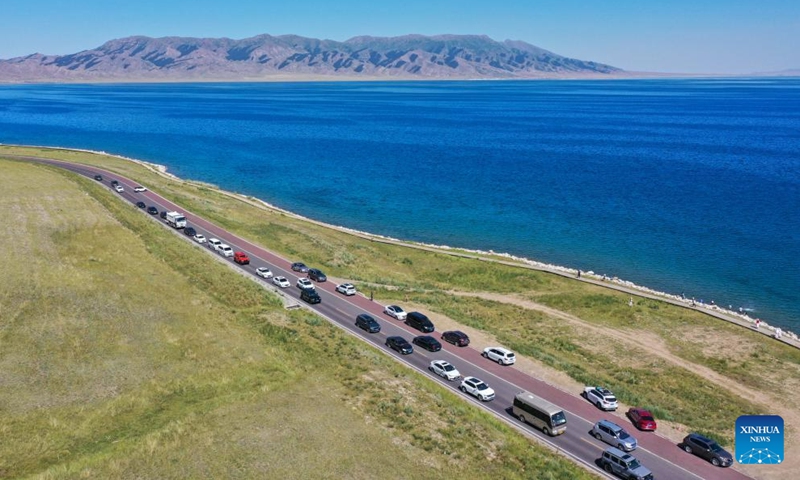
(759, 439)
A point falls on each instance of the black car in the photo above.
(419, 321)
(300, 267)
(428, 343)
(316, 275)
(399, 344)
(456, 337)
(153, 210)
(114, 183)
(189, 231)
(140, 204)
(368, 323)
(162, 214)
(706, 448)
(99, 178)
(310, 296)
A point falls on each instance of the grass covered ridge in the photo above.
(127, 352)
(742, 362)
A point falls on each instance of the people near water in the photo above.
(630, 302)
(778, 333)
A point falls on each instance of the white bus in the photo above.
(540, 413)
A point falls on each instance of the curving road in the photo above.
(662, 456)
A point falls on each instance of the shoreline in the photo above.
(615, 283)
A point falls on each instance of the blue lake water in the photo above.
(680, 185)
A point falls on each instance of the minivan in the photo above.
(613, 434)
(419, 321)
(366, 322)
(310, 296)
(624, 465)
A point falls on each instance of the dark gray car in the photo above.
(706, 448)
(624, 465)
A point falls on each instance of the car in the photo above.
(139, 188)
(445, 370)
(346, 288)
(163, 214)
(225, 250)
(189, 232)
(614, 435)
(395, 312)
(419, 321)
(152, 210)
(642, 419)
(119, 188)
(140, 204)
(114, 183)
(264, 272)
(214, 243)
(477, 388)
(366, 322)
(310, 296)
(623, 465)
(300, 267)
(399, 344)
(241, 258)
(427, 342)
(200, 238)
(99, 178)
(282, 282)
(601, 397)
(500, 355)
(317, 275)
(456, 337)
(305, 284)
(708, 449)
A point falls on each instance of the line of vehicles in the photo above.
(527, 407)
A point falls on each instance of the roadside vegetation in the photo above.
(127, 352)
(671, 383)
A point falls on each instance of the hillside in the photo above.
(264, 56)
(126, 352)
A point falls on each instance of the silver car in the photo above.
(614, 435)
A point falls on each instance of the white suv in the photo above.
(346, 288)
(500, 355)
(214, 243)
(444, 370)
(476, 387)
(601, 397)
(225, 250)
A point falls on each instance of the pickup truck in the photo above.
(241, 258)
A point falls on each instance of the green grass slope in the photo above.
(126, 352)
(639, 377)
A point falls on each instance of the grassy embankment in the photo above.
(127, 352)
(589, 350)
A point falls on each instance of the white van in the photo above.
(225, 250)
(214, 243)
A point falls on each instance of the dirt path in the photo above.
(657, 347)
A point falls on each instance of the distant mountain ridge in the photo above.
(141, 58)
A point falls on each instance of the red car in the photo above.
(241, 258)
(642, 419)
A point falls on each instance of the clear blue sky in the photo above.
(691, 36)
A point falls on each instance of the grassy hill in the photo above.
(696, 372)
(126, 352)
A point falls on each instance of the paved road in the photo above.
(662, 456)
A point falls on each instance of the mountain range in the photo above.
(266, 57)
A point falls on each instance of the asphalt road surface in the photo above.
(662, 456)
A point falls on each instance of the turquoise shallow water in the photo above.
(685, 186)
